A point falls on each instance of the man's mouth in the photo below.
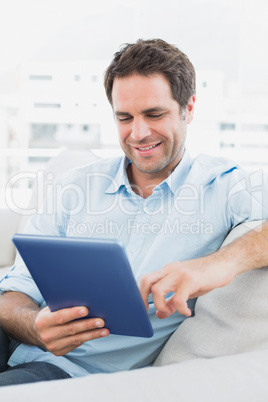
(148, 147)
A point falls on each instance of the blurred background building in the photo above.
(54, 55)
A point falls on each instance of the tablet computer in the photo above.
(95, 273)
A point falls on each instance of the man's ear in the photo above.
(189, 110)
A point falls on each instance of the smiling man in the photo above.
(151, 114)
(173, 213)
(152, 127)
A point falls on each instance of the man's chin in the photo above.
(148, 169)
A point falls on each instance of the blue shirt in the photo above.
(187, 216)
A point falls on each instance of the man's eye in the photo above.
(155, 116)
(124, 119)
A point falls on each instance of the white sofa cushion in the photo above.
(67, 160)
(14, 221)
(241, 378)
(228, 320)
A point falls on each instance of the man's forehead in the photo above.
(135, 78)
(149, 91)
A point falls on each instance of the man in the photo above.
(171, 212)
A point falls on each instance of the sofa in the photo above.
(219, 354)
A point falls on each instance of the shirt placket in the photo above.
(139, 227)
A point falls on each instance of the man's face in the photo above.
(152, 129)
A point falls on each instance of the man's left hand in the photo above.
(187, 279)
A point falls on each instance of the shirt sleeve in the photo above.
(247, 198)
(18, 279)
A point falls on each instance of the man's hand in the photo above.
(57, 332)
(60, 334)
(187, 279)
(194, 278)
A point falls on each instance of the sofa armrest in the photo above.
(10, 222)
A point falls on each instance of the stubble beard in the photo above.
(159, 165)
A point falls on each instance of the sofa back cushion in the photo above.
(67, 159)
(228, 320)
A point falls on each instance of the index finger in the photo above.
(60, 317)
(146, 283)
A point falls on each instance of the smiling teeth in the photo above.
(147, 148)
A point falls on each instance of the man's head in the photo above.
(151, 57)
(151, 87)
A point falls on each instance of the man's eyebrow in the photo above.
(153, 109)
(122, 113)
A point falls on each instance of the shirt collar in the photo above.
(174, 180)
(120, 178)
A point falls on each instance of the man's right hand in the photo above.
(60, 334)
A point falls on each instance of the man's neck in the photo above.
(144, 183)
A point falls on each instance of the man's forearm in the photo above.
(17, 317)
(249, 251)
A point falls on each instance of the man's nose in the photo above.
(140, 130)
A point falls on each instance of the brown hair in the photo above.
(155, 56)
